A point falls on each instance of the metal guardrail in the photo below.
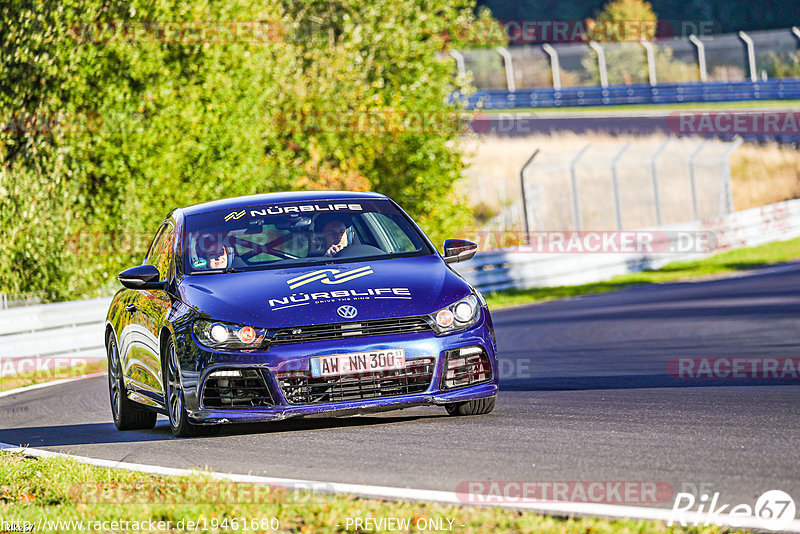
(515, 268)
(784, 89)
(46, 335)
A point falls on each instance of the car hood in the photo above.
(311, 295)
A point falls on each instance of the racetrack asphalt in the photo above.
(585, 396)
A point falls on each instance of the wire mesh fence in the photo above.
(712, 58)
(619, 186)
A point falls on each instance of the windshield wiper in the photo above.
(221, 271)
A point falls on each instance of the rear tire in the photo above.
(127, 414)
(473, 407)
(173, 396)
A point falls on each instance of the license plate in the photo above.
(358, 362)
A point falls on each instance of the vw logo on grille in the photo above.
(347, 312)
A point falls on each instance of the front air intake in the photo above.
(466, 367)
(236, 388)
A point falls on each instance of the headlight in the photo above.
(457, 316)
(218, 335)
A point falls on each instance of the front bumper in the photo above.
(198, 362)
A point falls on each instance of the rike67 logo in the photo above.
(774, 510)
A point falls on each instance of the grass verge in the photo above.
(58, 489)
(48, 375)
(742, 259)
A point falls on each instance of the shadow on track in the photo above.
(94, 433)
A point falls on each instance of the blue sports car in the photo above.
(265, 307)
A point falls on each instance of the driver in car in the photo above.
(211, 253)
(335, 234)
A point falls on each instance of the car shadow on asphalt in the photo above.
(107, 433)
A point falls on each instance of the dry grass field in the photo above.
(760, 174)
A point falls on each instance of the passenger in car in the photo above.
(211, 252)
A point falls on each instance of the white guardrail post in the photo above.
(511, 83)
(701, 57)
(751, 55)
(601, 62)
(555, 66)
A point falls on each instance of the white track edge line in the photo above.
(446, 497)
(23, 389)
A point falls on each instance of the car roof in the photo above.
(274, 198)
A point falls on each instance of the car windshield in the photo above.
(293, 234)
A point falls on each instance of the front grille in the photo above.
(466, 367)
(222, 390)
(324, 332)
(299, 387)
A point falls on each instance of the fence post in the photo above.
(524, 194)
(555, 66)
(701, 57)
(577, 218)
(615, 185)
(695, 208)
(651, 62)
(459, 57)
(751, 55)
(601, 62)
(654, 172)
(727, 192)
(511, 83)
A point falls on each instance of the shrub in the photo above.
(139, 123)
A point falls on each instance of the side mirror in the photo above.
(456, 250)
(142, 277)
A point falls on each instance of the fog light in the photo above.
(444, 318)
(227, 373)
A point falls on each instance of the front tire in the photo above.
(127, 414)
(473, 407)
(173, 395)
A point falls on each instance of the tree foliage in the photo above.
(116, 112)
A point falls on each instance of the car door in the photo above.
(143, 362)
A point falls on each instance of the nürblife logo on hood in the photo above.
(335, 276)
(329, 276)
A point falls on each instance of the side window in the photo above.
(160, 253)
(388, 229)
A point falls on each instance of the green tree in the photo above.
(153, 105)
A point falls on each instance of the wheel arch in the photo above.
(164, 335)
(110, 331)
